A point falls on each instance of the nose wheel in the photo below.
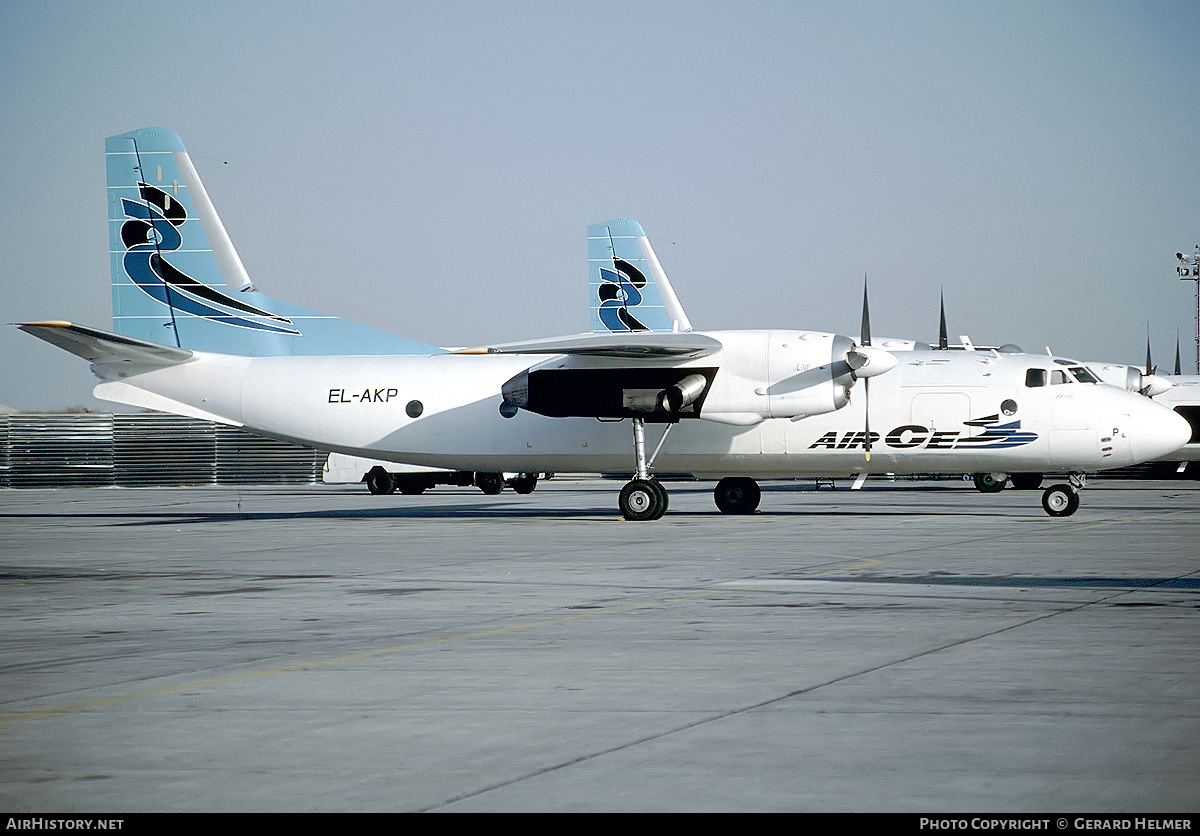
(1060, 500)
(1063, 500)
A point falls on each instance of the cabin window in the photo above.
(1035, 377)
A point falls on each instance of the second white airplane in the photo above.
(642, 392)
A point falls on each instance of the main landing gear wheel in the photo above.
(1060, 500)
(490, 483)
(990, 482)
(525, 483)
(643, 499)
(737, 495)
(379, 481)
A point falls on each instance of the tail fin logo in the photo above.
(620, 290)
(154, 228)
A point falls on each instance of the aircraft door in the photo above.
(1071, 435)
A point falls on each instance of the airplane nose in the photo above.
(1157, 432)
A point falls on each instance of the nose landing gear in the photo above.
(1063, 500)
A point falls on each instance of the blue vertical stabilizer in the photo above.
(177, 280)
(628, 289)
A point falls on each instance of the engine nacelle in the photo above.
(780, 374)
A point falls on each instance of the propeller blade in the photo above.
(867, 414)
(1149, 368)
(943, 337)
(864, 360)
(866, 317)
(865, 343)
(1178, 368)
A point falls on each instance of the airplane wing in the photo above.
(98, 346)
(641, 344)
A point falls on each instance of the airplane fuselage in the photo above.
(934, 412)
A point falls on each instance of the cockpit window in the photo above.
(1035, 377)
(1083, 375)
(1058, 376)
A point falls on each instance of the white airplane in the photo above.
(194, 337)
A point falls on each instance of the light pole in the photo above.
(1189, 270)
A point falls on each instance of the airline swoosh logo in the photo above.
(152, 228)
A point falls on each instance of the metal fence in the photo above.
(81, 450)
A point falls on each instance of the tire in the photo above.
(643, 499)
(989, 483)
(525, 483)
(1026, 481)
(379, 481)
(663, 499)
(490, 483)
(1060, 500)
(412, 487)
(737, 495)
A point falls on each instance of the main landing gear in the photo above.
(643, 498)
(737, 495)
(381, 481)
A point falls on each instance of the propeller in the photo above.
(1178, 367)
(861, 359)
(866, 361)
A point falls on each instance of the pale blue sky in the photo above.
(431, 168)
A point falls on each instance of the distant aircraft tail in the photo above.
(177, 279)
(629, 289)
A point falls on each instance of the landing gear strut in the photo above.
(643, 498)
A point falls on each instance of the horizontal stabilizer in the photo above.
(102, 347)
(637, 344)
